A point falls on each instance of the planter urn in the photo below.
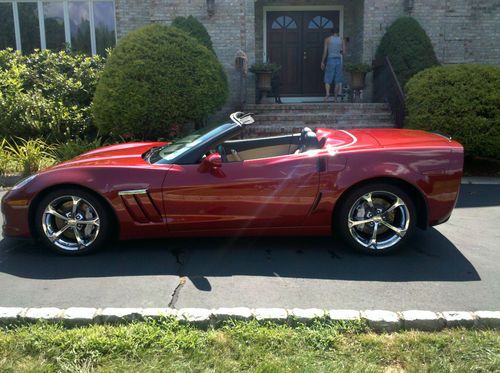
(264, 83)
(357, 80)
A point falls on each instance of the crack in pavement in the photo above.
(334, 255)
(178, 255)
(176, 292)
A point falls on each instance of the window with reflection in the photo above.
(320, 22)
(284, 22)
(7, 33)
(53, 14)
(64, 23)
(104, 22)
(29, 26)
(79, 21)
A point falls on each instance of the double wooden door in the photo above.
(295, 41)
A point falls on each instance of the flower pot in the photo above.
(357, 80)
(264, 80)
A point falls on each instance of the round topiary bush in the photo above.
(460, 100)
(157, 77)
(195, 29)
(408, 47)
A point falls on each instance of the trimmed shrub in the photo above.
(195, 29)
(157, 77)
(47, 94)
(460, 100)
(408, 47)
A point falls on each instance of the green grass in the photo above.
(167, 346)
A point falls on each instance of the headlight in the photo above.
(23, 182)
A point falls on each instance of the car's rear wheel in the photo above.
(376, 218)
(72, 221)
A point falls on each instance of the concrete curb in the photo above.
(378, 320)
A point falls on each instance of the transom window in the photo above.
(83, 25)
(284, 22)
(320, 22)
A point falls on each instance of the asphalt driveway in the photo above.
(454, 266)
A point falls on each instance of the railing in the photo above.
(387, 89)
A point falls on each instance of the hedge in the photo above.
(195, 29)
(157, 77)
(408, 47)
(460, 100)
(47, 94)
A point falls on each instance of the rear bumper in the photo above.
(443, 197)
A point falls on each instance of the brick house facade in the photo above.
(461, 31)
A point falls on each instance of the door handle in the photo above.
(321, 164)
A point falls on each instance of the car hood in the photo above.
(128, 154)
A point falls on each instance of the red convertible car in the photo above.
(372, 187)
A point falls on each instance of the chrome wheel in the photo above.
(70, 223)
(378, 220)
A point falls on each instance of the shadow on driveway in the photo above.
(429, 257)
(478, 196)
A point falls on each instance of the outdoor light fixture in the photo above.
(211, 7)
(409, 5)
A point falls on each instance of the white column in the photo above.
(67, 30)
(41, 23)
(92, 28)
(16, 25)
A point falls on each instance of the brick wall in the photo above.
(462, 31)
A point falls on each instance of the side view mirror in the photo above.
(210, 163)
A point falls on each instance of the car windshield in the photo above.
(181, 145)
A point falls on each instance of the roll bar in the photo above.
(242, 119)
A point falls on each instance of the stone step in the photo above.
(302, 124)
(315, 107)
(283, 128)
(332, 117)
(329, 123)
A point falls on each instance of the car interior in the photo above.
(265, 147)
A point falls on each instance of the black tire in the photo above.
(76, 239)
(355, 206)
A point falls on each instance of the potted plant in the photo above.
(264, 72)
(358, 73)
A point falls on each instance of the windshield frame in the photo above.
(195, 152)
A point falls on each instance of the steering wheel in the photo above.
(222, 151)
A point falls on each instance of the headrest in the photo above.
(310, 140)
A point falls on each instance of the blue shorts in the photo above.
(333, 70)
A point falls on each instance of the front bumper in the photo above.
(15, 214)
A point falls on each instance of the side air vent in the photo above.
(140, 206)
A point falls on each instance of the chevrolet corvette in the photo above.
(371, 187)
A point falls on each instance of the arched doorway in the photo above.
(294, 40)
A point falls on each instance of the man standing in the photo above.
(334, 48)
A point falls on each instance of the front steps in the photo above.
(276, 119)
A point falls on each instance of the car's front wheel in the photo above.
(72, 221)
(376, 218)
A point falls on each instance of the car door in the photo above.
(267, 192)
